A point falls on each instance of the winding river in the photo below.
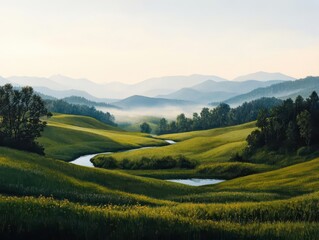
(85, 160)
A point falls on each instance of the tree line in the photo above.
(289, 126)
(60, 106)
(221, 116)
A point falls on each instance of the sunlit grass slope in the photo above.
(293, 180)
(24, 173)
(208, 133)
(67, 137)
(282, 183)
(285, 219)
(216, 145)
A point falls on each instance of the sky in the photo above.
(132, 40)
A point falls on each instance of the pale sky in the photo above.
(132, 40)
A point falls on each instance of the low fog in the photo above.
(134, 115)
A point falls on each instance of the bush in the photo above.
(103, 161)
(166, 162)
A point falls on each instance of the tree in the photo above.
(292, 135)
(205, 118)
(305, 128)
(196, 121)
(20, 118)
(313, 101)
(222, 114)
(299, 105)
(163, 126)
(183, 124)
(172, 128)
(145, 127)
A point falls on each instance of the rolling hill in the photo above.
(42, 196)
(69, 136)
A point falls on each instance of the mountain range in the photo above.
(136, 101)
(284, 90)
(210, 91)
(60, 86)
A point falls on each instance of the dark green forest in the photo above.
(289, 126)
(221, 116)
(60, 106)
(83, 101)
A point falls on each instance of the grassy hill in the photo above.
(254, 214)
(213, 150)
(68, 136)
(42, 197)
(33, 175)
(206, 146)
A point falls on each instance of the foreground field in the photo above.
(294, 219)
(98, 203)
(45, 198)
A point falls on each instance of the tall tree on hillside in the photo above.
(305, 128)
(205, 117)
(222, 114)
(145, 127)
(182, 123)
(20, 113)
(196, 121)
(313, 102)
(163, 126)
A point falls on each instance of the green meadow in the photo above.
(206, 146)
(68, 136)
(48, 198)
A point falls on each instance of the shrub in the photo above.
(166, 162)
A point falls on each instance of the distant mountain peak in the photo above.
(264, 76)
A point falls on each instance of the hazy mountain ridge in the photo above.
(264, 76)
(171, 90)
(190, 94)
(212, 91)
(281, 90)
(138, 101)
(232, 86)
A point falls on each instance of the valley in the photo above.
(107, 179)
(140, 198)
